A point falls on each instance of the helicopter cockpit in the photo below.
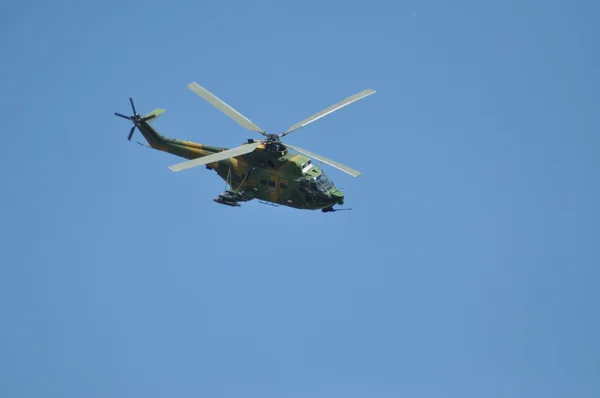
(319, 183)
(324, 184)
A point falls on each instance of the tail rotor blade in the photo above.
(132, 106)
(123, 116)
(131, 133)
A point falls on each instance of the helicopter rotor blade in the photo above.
(226, 109)
(215, 157)
(132, 106)
(330, 162)
(332, 108)
(123, 116)
(131, 133)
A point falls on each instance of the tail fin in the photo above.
(154, 138)
(155, 114)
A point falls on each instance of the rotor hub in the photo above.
(273, 137)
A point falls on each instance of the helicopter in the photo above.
(257, 169)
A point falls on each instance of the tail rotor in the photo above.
(136, 119)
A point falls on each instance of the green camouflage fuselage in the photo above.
(278, 177)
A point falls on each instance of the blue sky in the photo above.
(467, 267)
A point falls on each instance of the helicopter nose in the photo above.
(338, 196)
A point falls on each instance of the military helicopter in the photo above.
(258, 169)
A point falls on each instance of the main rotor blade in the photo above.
(215, 157)
(330, 162)
(329, 110)
(223, 107)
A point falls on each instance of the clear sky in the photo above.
(468, 266)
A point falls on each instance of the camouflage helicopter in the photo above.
(258, 169)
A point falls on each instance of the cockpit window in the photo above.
(323, 183)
